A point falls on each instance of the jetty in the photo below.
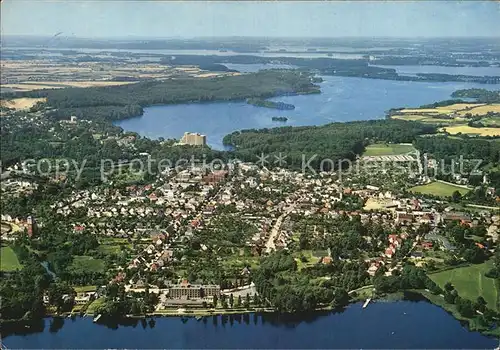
(366, 302)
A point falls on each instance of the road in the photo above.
(241, 291)
(270, 246)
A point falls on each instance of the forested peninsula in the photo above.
(125, 101)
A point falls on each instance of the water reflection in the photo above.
(23, 327)
(56, 324)
(395, 324)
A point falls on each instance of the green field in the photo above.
(127, 177)
(234, 262)
(493, 122)
(384, 149)
(363, 293)
(439, 189)
(9, 261)
(428, 119)
(114, 245)
(84, 289)
(113, 248)
(312, 259)
(470, 282)
(87, 264)
(94, 305)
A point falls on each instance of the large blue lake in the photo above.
(342, 99)
(403, 324)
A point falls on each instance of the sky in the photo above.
(128, 18)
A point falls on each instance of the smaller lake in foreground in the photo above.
(382, 325)
(343, 99)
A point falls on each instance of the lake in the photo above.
(342, 99)
(475, 71)
(402, 324)
(252, 68)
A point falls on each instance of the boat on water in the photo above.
(97, 318)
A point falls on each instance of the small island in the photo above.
(280, 119)
(270, 104)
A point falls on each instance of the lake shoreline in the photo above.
(404, 295)
(398, 323)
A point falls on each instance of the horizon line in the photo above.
(139, 37)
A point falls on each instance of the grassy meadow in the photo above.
(471, 282)
(469, 130)
(384, 149)
(440, 189)
(9, 260)
(87, 264)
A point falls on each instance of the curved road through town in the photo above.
(270, 246)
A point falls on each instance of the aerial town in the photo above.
(341, 193)
(194, 235)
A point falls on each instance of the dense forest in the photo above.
(22, 141)
(442, 103)
(444, 147)
(481, 95)
(281, 284)
(470, 149)
(334, 141)
(119, 102)
(112, 112)
(22, 291)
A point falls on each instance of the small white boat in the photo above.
(97, 318)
